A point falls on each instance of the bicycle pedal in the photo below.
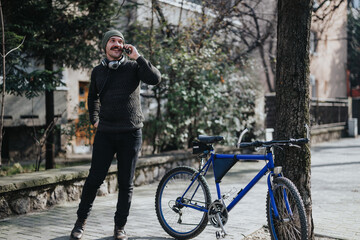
(220, 234)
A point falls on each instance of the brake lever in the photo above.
(294, 145)
(274, 146)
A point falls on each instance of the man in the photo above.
(115, 110)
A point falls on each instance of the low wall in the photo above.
(319, 133)
(29, 192)
(327, 132)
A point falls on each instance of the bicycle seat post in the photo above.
(202, 161)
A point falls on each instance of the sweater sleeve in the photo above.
(147, 72)
(93, 100)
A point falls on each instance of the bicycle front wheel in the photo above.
(291, 222)
(181, 203)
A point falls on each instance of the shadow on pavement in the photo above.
(149, 238)
(321, 148)
(111, 238)
(334, 164)
(68, 237)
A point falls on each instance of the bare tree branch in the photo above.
(22, 42)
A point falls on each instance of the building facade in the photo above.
(25, 119)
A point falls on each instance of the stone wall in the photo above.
(25, 193)
(328, 132)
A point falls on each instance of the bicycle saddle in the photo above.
(210, 139)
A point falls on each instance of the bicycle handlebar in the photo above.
(274, 143)
(289, 142)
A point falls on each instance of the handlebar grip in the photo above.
(300, 140)
(251, 144)
(245, 145)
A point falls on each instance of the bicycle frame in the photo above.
(183, 201)
(268, 167)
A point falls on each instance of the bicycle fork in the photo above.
(272, 201)
(271, 194)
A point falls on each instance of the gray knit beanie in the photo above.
(108, 35)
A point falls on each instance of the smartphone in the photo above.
(127, 51)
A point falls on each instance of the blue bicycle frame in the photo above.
(204, 169)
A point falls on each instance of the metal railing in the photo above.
(328, 111)
(322, 111)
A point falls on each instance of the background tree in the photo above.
(3, 54)
(354, 47)
(199, 93)
(292, 93)
(59, 33)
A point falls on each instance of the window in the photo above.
(81, 91)
(313, 42)
(315, 5)
(313, 87)
(82, 105)
(355, 4)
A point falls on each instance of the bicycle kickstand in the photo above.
(223, 232)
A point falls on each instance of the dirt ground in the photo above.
(263, 234)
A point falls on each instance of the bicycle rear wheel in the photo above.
(291, 222)
(175, 211)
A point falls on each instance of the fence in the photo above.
(323, 112)
(328, 111)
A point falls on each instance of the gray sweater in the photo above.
(114, 95)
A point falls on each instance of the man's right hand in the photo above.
(96, 124)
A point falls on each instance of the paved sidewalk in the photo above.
(336, 188)
(335, 195)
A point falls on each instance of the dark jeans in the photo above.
(126, 146)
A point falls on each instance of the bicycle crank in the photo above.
(217, 214)
(218, 217)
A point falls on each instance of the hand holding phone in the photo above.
(127, 51)
(131, 51)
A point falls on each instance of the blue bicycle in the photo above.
(183, 200)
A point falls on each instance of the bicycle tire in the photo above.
(179, 221)
(290, 224)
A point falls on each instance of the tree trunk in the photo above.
(4, 81)
(292, 94)
(49, 108)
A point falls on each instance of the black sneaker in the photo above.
(120, 234)
(78, 229)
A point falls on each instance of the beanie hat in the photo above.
(108, 35)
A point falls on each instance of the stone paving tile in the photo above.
(336, 188)
(335, 195)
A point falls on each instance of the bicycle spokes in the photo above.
(290, 223)
(181, 203)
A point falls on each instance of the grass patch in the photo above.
(17, 168)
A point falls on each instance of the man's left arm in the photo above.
(147, 72)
